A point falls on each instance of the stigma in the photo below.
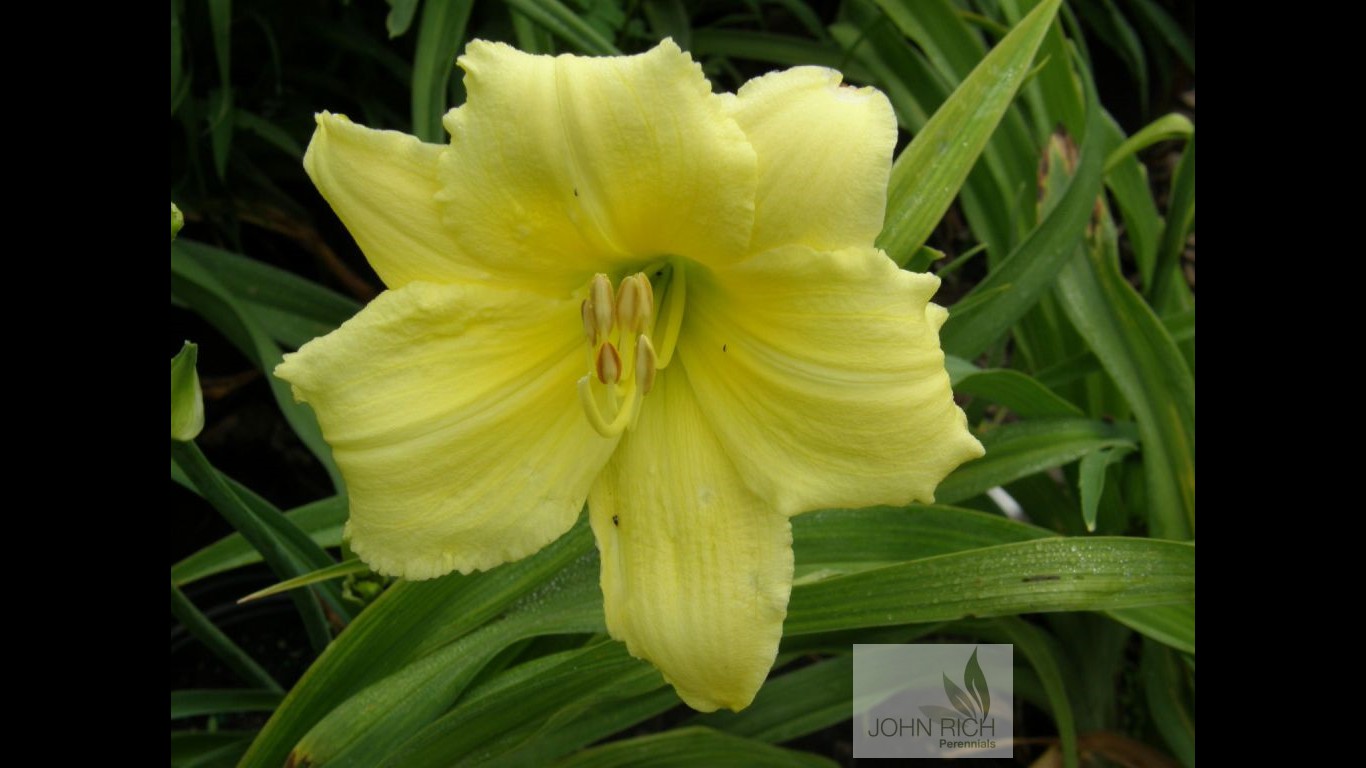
(622, 360)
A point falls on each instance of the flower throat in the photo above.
(622, 359)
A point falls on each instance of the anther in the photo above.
(601, 303)
(589, 327)
(608, 364)
(645, 364)
(635, 304)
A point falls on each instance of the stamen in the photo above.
(589, 326)
(671, 319)
(635, 304)
(608, 364)
(645, 364)
(600, 301)
(621, 358)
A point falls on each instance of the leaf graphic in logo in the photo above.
(976, 683)
(957, 698)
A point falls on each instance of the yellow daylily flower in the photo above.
(618, 286)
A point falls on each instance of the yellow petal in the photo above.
(823, 376)
(453, 414)
(569, 164)
(696, 569)
(825, 151)
(383, 186)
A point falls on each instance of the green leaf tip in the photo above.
(177, 220)
(187, 400)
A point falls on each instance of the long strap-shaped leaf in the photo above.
(1061, 574)
(439, 38)
(1017, 283)
(195, 285)
(929, 173)
(410, 620)
(1147, 367)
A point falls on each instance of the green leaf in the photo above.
(531, 37)
(289, 308)
(1031, 269)
(200, 749)
(528, 699)
(221, 99)
(841, 541)
(199, 626)
(400, 17)
(248, 521)
(955, 48)
(589, 727)
(1180, 219)
(1171, 625)
(221, 123)
(1020, 393)
(1033, 643)
(197, 287)
(928, 174)
(1171, 33)
(921, 260)
(687, 747)
(439, 36)
(792, 705)
(1091, 480)
(272, 134)
(566, 25)
(1127, 181)
(321, 520)
(187, 399)
(1165, 128)
(1107, 23)
(1180, 326)
(326, 573)
(409, 621)
(669, 18)
(368, 727)
(180, 79)
(1168, 701)
(1025, 448)
(301, 552)
(1052, 574)
(1149, 371)
(213, 702)
(177, 220)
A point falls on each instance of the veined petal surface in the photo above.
(696, 569)
(383, 186)
(823, 377)
(453, 415)
(825, 154)
(564, 166)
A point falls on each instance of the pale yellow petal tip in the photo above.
(734, 693)
(936, 316)
(288, 372)
(294, 369)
